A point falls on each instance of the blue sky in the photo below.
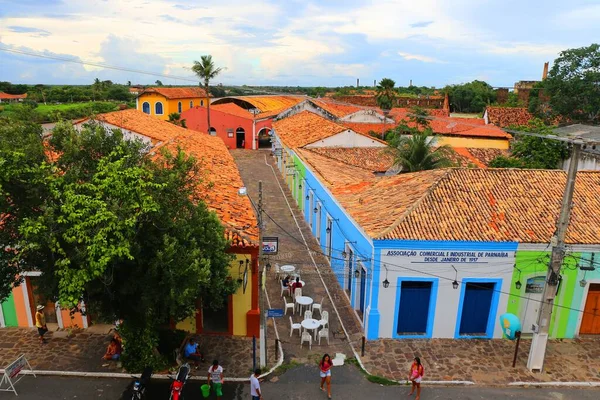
(293, 42)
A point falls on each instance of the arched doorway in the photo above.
(240, 138)
(264, 139)
(212, 131)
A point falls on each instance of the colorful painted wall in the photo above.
(524, 302)
(169, 105)
(580, 295)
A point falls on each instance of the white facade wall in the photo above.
(448, 298)
(347, 138)
(587, 162)
(127, 134)
(366, 116)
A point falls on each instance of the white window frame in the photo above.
(311, 203)
(318, 216)
(162, 106)
(329, 236)
(191, 103)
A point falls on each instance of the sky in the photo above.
(292, 42)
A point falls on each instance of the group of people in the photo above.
(294, 285)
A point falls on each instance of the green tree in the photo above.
(175, 119)
(418, 152)
(420, 117)
(128, 83)
(158, 83)
(573, 84)
(130, 236)
(386, 94)
(532, 151)
(470, 97)
(206, 70)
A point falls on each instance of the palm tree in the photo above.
(418, 152)
(158, 83)
(386, 94)
(128, 83)
(206, 70)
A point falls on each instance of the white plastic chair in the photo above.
(277, 271)
(284, 288)
(307, 314)
(289, 306)
(294, 326)
(318, 306)
(323, 333)
(306, 337)
(324, 319)
(297, 292)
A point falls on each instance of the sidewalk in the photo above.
(292, 250)
(485, 362)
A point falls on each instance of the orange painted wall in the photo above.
(20, 306)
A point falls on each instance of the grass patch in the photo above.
(283, 368)
(372, 378)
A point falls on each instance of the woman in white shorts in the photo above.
(325, 373)
(415, 376)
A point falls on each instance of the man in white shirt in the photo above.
(255, 385)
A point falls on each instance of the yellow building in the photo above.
(162, 101)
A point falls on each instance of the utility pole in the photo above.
(537, 352)
(261, 267)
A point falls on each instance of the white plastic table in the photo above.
(287, 268)
(311, 325)
(304, 301)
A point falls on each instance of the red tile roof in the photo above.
(332, 172)
(474, 205)
(232, 109)
(507, 116)
(337, 109)
(177, 92)
(219, 184)
(374, 159)
(305, 128)
(6, 96)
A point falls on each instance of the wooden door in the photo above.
(590, 325)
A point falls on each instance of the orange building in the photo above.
(162, 101)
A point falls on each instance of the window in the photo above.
(179, 108)
(318, 217)
(229, 133)
(202, 103)
(146, 107)
(158, 108)
(212, 131)
(329, 232)
(350, 263)
(192, 104)
(310, 210)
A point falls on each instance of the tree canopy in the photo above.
(573, 84)
(386, 94)
(418, 151)
(470, 97)
(103, 222)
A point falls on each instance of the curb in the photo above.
(556, 384)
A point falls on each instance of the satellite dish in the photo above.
(394, 170)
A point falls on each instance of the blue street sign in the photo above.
(275, 313)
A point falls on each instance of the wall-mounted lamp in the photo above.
(386, 283)
(455, 283)
(300, 186)
(307, 197)
(583, 282)
(328, 230)
(518, 283)
(356, 273)
(268, 266)
(315, 210)
(344, 254)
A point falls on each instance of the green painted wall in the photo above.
(535, 263)
(299, 193)
(9, 311)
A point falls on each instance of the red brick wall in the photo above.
(403, 102)
(195, 119)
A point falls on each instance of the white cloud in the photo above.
(418, 57)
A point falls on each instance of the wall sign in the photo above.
(535, 284)
(448, 257)
(11, 371)
(270, 245)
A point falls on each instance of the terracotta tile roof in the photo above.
(366, 128)
(305, 128)
(507, 116)
(232, 109)
(144, 124)
(474, 205)
(374, 159)
(219, 184)
(178, 92)
(268, 105)
(333, 172)
(335, 108)
(6, 96)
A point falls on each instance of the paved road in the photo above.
(299, 383)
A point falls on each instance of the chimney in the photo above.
(410, 83)
(374, 82)
(357, 82)
(545, 73)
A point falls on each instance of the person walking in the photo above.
(40, 323)
(255, 385)
(215, 378)
(325, 373)
(415, 376)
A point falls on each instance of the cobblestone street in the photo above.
(293, 251)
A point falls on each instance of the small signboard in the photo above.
(275, 313)
(270, 245)
(13, 370)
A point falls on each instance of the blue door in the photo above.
(476, 308)
(363, 289)
(413, 312)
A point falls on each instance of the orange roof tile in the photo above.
(374, 159)
(178, 92)
(507, 116)
(337, 109)
(232, 109)
(474, 205)
(305, 128)
(144, 124)
(6, 96)
(218, 186)
(333, 172)
(365, 128)
(268, 105)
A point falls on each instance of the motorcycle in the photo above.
(179, 382)
(138, 388)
